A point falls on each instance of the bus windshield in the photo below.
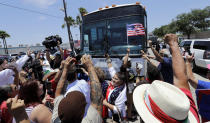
(110, 36)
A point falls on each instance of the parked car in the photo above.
(201, 50)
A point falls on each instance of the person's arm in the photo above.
(61, 50)
(138, 71)
(191, 78)
(22, 77)
(95, 86)
(48, 55)
(59, 73)
(125, 60)
(16, 78)
(179, 69)
(145, 56)
(108, 61)
(17, 108)
(157, 55)
(108, 105)
(111, 69)
(38, 55)
(41, 114)
(48, 75)
(151, 57)
(6, 74)
(20, 62)
(63, 77)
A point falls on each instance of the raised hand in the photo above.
(170, 39)
(69, 62)
(190, 58)
(144, 55)
(128, 50)
(15, 106)
(86, 61)
(150, 43)
(107, 56)
(29, 52)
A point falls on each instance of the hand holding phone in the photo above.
(139, 65)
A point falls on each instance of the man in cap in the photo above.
(74, 107)
(163, 102)
(202, 89)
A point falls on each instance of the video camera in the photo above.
(51, 42)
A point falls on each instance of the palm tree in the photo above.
(70, 21)
(3, 36)
(82, 12)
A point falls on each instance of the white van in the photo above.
(201, 50)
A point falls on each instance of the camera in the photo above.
(36, 67)
(51, 42)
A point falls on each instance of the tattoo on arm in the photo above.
(96, 96)
(95, 90)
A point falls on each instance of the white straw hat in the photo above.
(168, 98)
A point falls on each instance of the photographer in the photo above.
(56, 62)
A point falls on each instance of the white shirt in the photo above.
(6, 76)
(83, 87)
(120, 101)
(112, 71)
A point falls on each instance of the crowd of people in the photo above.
(72, 91)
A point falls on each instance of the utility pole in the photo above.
(68, 29)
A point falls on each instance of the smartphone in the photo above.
(139, 65)
(48, 85)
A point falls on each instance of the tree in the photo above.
(165, 29)
(70, 21)
(82, 12)
(185, 24)
(3, 36)
(159, 32)
(199, 18)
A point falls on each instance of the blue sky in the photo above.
(31, 28)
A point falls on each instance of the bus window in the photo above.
(117, 35)
(94, 32)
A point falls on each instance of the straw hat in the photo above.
(167, 98)
(208, 66)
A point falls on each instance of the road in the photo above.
(200, 75)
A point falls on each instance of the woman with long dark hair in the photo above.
(31, 92)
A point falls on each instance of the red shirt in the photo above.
(5, 115)
(193, 108)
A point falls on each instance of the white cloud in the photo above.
(41, 3)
